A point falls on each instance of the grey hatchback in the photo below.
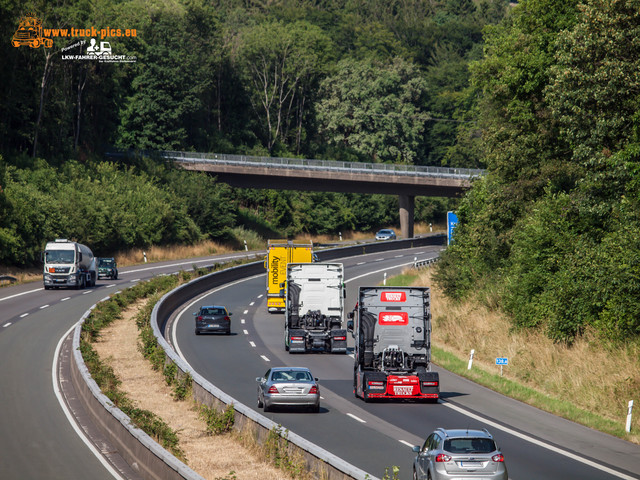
(213, 318)
(459, 454)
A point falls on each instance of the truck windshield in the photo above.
(59, 256)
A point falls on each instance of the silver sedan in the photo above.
(288, 386)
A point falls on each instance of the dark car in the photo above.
(459, 454)
(107, 268)
(288, 386)
(386, 234)
(213, 318)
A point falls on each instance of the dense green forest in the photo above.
(372, 81)
(552, 232)
(544, 94)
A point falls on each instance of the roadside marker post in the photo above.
(471, 359)
(246, 249)
(384, 282)
(144, 254)
(628, 427)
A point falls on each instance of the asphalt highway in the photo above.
(378, 436)
(37, 440)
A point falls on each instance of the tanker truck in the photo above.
(68, 264)
(392, 331)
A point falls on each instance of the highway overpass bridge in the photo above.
(405, 181)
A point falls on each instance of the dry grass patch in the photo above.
(173, 252)
(589, 374)
(213, 457)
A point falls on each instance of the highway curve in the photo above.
(37, 441)
(537, 445)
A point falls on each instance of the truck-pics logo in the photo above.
(393, 297)
(393, 318)
(29, 33)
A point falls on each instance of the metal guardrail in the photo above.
(151, 459)
(7, 278)
(307, 164)
(424, 263)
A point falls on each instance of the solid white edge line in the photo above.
(356, 418)
(539, 443)
(80, 433)
(174, 338)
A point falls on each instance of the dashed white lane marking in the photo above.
(246, 332)
(43, 306)
(406, 443)
(19, 294)
(245, 312)
(251, 304)
(6, 325)
(252, 344)
(135, 280)
(242, 321)
(379, 259)
(265, 358)
(24, 315)
(355, 418)
(64, 299)
(361, 263)
(260, 296)
(399, 256)
(88, 291)
(109, 286)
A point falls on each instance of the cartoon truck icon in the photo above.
(29, 33)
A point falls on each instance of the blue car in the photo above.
(386, 234)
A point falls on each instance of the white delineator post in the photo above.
(628, 428)
(246, 249)
(340, 235)
(384, 282)
(144, 254)
(471, 359)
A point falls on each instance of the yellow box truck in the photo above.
(279, 254)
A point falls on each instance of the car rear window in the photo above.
(291, 376)
(212, 311)
(469, 445)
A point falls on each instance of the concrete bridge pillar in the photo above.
(407, 204)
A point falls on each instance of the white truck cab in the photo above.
(68, 264)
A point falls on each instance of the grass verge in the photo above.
(597, 378)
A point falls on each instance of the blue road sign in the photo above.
(502, 361)
(452, 221)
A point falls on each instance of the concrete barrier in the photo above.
(153, 461)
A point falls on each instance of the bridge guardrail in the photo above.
(311, 164)
(137, 448)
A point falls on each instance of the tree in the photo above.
(281, 63)
(375, 109)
